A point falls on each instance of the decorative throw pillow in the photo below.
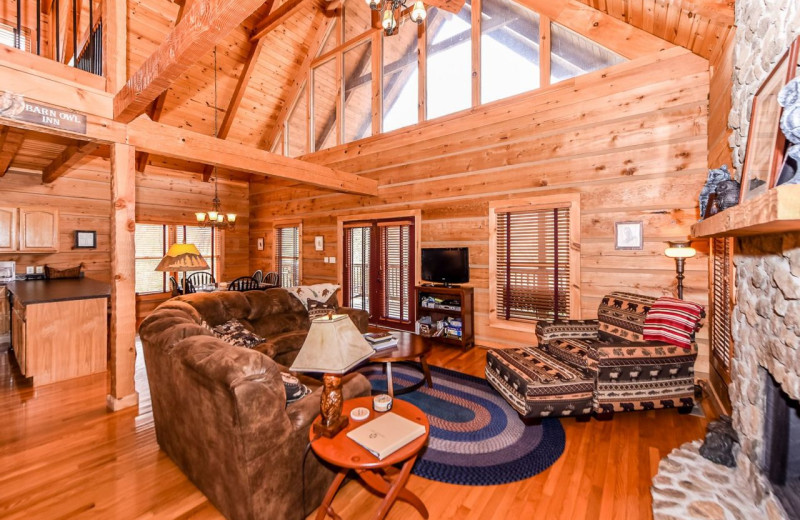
(235, 333)
(673, 321)
(317, 309)
(320, 292)
(295, 390)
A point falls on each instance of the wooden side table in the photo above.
(345, 453)
(410, 348)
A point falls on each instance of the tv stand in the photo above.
(460, 305)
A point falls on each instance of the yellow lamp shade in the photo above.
(680, 250)
(182, 257)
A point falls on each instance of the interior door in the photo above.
(378, 271)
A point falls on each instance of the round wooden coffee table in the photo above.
(410, 348)
(342, 451)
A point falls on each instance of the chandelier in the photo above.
(390, 13)
(215, 218)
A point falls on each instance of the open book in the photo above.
(386, 434)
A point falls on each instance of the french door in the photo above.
(378, 270)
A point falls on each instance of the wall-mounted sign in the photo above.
(15, 106)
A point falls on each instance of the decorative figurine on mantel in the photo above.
(789, 99)
(715, 177)
(727, 194)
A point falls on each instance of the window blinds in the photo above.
(287, 255)
(395, 270)
(722, 305)
(532, 264)
(357, 247)
(151, 246)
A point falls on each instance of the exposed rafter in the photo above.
(276, 18)
(71, 156)
(10, 141)
(181, 143)
(298, 81)
(205, 23)
(157, 107)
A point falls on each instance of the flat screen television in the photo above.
(446, 265)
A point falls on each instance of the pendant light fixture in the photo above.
(215, 218)
(390, 11)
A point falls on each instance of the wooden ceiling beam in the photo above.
(179, 143)
(452, 6)
(272, 21)
(67, 159)
(157, 107)
(10, 141)
(205, 23)
(298, 81)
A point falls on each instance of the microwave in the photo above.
(7, 271)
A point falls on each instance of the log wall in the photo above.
(631, 139)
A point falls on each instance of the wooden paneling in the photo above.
(719, 105)
(630, 139)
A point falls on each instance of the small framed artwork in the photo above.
(628, 236)
(318, 243)
(85, 239)
(260, 243)
(766, 144)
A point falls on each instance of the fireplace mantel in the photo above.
(775, 211)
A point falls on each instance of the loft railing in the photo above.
(67, 31)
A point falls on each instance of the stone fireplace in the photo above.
(765, 373)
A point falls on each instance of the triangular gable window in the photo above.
(573, 55)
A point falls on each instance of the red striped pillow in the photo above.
(672, 321)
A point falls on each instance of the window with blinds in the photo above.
(151, 246)
(152, 243)
(287, 255)
(356, 267)
(395, 270)
(721, 306)
(534, 271)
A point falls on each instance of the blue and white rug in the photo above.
(476, 438)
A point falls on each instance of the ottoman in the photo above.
(537, 384)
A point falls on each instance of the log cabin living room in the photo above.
(447, 259)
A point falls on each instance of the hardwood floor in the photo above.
(63, 456)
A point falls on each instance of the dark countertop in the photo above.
(45, 291)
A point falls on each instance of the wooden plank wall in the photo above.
(631, 139)
(721, 72)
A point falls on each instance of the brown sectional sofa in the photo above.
(220, 411)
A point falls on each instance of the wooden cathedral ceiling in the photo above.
(700, 25)
(289, 28)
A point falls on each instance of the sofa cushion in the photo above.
(673, 321)
(580, 353)
(621, 316)
(236, 334)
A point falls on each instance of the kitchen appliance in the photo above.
(7, 271)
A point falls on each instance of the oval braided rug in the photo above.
(476, 438)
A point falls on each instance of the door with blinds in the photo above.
(533, 264)
(378, 270)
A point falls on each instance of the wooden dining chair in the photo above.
(272, 279)
(258, 275)
(195, 280)
(244, 283)
(176, 288)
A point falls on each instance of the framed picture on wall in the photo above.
(766, 144)
(628, 236)
(260, 243)
(85, 239)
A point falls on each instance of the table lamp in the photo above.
(680, 251)
(182, 257)
(333, 347)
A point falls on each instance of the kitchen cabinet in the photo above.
(8, 229)
(38, 230)
(59, 328)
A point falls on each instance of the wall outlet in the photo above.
(332, 260)
(40, 269)
(325, 259)
(29, 269)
